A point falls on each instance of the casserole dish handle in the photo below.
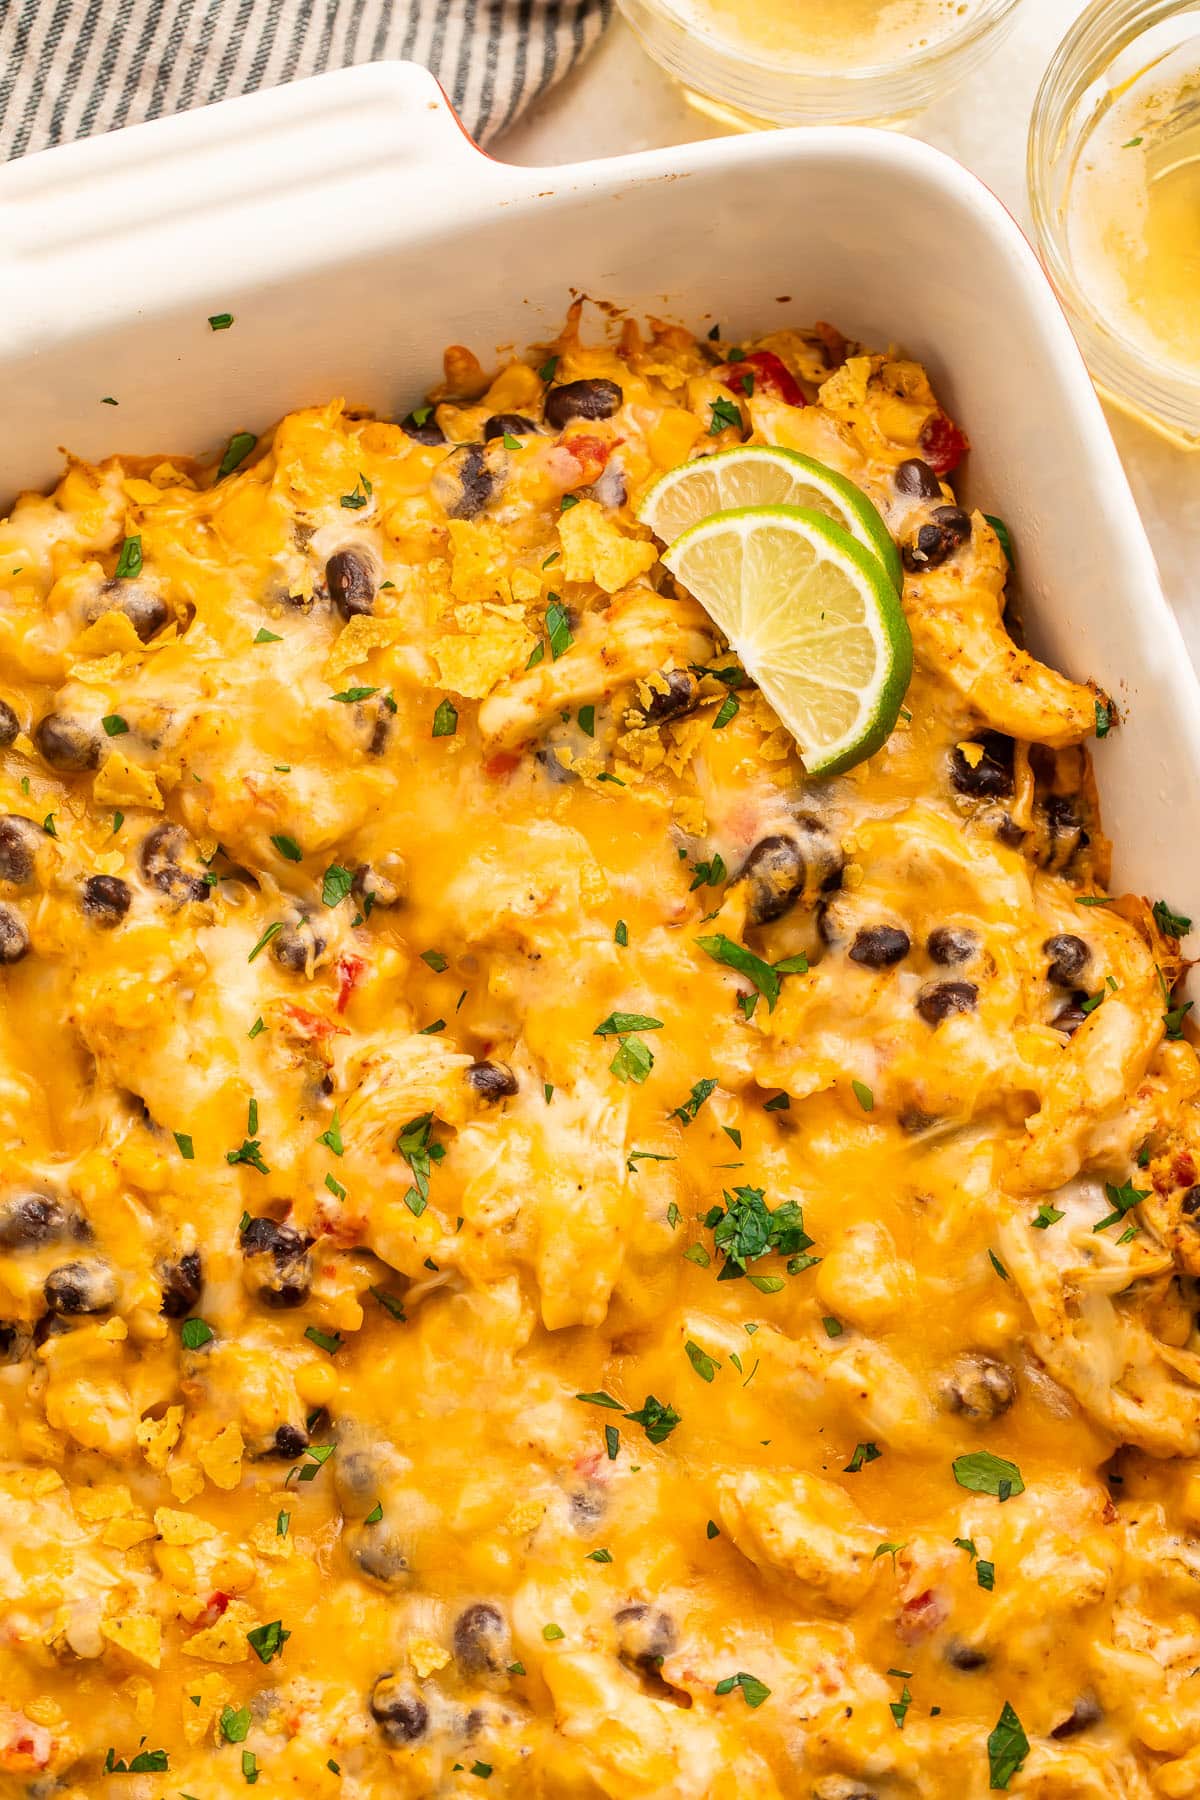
(297, 175)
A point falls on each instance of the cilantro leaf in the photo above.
(981, 1472)
(336, 885)
(656, 1420)
(754, 1691)
(1007, 1748)
(618, 1023)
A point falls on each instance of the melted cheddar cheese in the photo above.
(543, 1253)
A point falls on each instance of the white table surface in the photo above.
(620, 100)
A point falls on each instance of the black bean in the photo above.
(943, 998)
(482, 1640)
(492, 1081)
(399, 1711)
(823, 857)
(27, 1221)
(350, 579)
(146, 611)
(80, 1287)
(967, 1657)
(978, 1387)
(278, 1264)
(1069, 957)
(296, 945)
(1189, 1206)
(1085, 1713)
(162, 858)
(917, 479)
(10, 725)
(936, 541)
(182, 1282)
(14, 935)
(991, 778)
(672, 694)
(15, 1342)
(106, 900)
(19, 841)
(357, 1480)
(552, 768)
(879, 946)
(774, 873)
(68, 744)
(1064, 831)
(508, 425)
(384, 883)
(646, 1636)
(377, 1555)
(428, 432)
(582, 400)
(1070, 1017)
(290, 1441)
(587, 1508)
(465, 482)
(951, 944)
(913, 1120)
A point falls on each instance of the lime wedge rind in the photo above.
(762, 475)
(833, 613)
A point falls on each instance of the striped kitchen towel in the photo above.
(72, 68)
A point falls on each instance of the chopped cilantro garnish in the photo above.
(250, 1769)
(1122, 1200)
(332, 1138)
(863, 1095)
(186, 1148)
(618, 1023)
(434, 960)
(728, 709)
(129, 562)
(621, 934)
(1007, 1748)
(1045, 1217)
(558, 628)
(236, 451)
(982, 1472)
(754, 1691)
(766, 978)
(712, 1530)
(701, 1090)
(390, 1304)
(267, 1641)
(746, 1228)
(195, 1334)
(263, 636)
(359, 494)
(703, 1364)
(287, 847)
(724, 413)
(546, 372)
(567, 502)
(587, 721)
(833, 1327)
(552, 1633)
(612, 1441)
(235, 1726)
(282, 1521)
(863, 1453)
(985, 1574)
(336, 884)
(599, 1556)
(220, 321)
(352, 695)
(1171, 924)
(325, 1340)
(264, 940)
(445, 720)
(1103, 719)
(633, 1060)
(708, 874)
(114, 725)
(656, 1420)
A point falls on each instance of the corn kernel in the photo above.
(316, 1383)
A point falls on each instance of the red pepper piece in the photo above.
(772, 377)
(943, 445)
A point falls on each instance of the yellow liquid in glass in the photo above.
(828, 35)
(1134, 212)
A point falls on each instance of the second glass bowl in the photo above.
(1122, 250)
(755, 87)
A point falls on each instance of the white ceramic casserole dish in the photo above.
(353, 230)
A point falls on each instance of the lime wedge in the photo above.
(814, 620)
(765, 475)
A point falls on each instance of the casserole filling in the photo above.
(541, 1251)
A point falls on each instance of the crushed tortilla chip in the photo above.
(526, 585)
(182, 1527)
(30, 1484)
(97, 671)
(120, 782)
(357, 638)
(266, 1541)
(478, 560)
(525, 1517)
(427, 1657)
(224, 1642)
(472, 666)
(204, 1697)
(138, 1635)
(688, 812)
(112, 631)
(595, 550)
(185, 1480)
(221, 1457)
(846, 388)
(110, 1501)
(123, 1534)
(158, 1437)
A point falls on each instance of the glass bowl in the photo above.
(751, 88)
(1122, 61)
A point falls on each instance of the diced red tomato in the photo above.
(349, 973)
(500, 766)
(591, 453)
(1184, 1169)
(310, 1025)
(772, 377)
(943, 445)
(920, 1616)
